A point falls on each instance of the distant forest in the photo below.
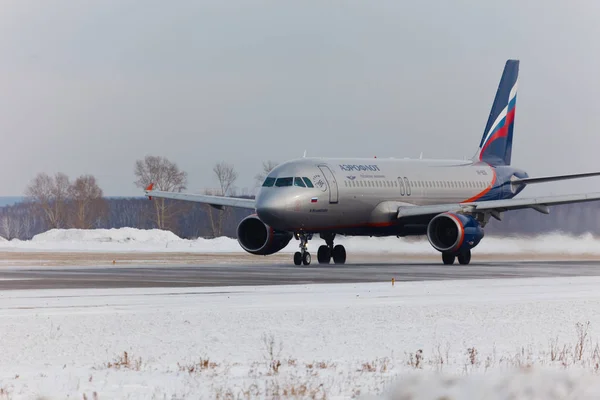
(192, 220)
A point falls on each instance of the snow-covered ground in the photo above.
(317, 341)
(137, 240)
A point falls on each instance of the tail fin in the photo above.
(496, 144)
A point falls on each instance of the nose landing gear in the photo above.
(302, 256)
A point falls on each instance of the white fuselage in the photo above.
(362, 196)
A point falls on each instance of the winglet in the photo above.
(149, 189)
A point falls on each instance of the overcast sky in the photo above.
(89, 86)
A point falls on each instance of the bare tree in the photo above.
(10, 226)
(267, 167)
(226, 175)
(165, 175)
(50, 196)
(88, 204)
(215, 216)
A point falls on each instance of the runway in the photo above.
(207, 275)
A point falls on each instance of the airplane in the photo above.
(449, 201)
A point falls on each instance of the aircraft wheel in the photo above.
(297, 258)
(339, 254)
(324, 255)
(306, 258)
(464, 257)
(448, 258)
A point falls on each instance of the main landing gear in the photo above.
(325, 252)
(464, 257)
(329, 251)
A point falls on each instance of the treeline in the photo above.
(573, 219)
(57, 202)
(22, 221)
(193, 220)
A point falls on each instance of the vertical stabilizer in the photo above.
(496, 144)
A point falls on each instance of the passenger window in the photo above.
(299, 182)
(308, 182)
(269, 182)
(283, 182)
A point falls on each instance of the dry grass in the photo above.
(124, 361)
(277, 377)
(203, 365)
(5, 393)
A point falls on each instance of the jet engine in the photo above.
(258, 238)
(453, 233)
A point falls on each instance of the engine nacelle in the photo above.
(256, 237)
(453, 233)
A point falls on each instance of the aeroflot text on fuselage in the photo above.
(355, 167)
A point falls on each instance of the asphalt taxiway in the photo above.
(203, 275)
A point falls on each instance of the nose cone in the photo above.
(270, 208)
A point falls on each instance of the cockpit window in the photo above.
(269, 182)
(281, 182)
(299, 182)
(308, 182)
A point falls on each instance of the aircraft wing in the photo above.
(555, 178)
(215, 201)
(496, 206)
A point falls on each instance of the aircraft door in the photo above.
(331, 183)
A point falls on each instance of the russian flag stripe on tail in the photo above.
(496, 144)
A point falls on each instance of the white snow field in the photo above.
(498, 339)
(154, 240)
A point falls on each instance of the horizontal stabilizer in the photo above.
(543, 179)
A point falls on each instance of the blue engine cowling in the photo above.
(258, 238)
(453, 233)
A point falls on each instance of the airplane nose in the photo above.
(270, 209)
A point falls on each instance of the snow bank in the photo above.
(155, 240)
(122, 235)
